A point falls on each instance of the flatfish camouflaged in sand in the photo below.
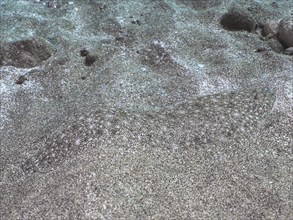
(210, 119)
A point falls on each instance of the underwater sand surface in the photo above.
(143, 109)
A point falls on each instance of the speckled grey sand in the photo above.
(160, 161)
(176, 119)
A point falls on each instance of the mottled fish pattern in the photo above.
(205, 120)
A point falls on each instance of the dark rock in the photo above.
(261, 49)
(90, 59)
(50, 4)
(23, 54)
(135, 22)
(237, 19)
(275, 5)
(21, 79)
(84, 52)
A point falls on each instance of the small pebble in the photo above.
(21, 79)
(261, 49)
(84, 52)
(89, 60)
